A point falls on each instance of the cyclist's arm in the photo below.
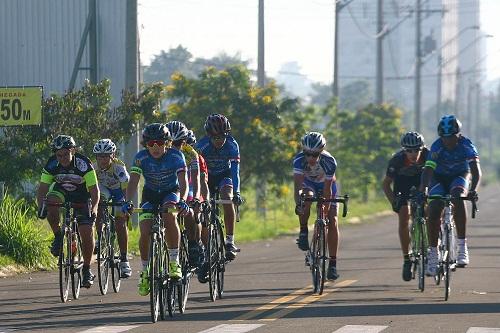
(45, 180)
(327, 188)
(183, 184)
(205, 192)
(132, 185)
(235, 175)
(298, 180)
(476, 173)
(194, 173)
(386, 186)
(95, 196)
(426, 177)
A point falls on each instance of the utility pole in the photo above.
(418, 64)
(335, 86)
(261, 74)
(379, 86)
(457, 92)
(439, 78)
(93, 41)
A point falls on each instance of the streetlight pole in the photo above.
(418, 55)
(339, 5)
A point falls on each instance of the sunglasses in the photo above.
(102, 155)
(152, 143)
(414, 150)
(218, 137)
(312, 154)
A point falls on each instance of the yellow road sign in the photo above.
(21, 106)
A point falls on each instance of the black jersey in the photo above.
(404, 173)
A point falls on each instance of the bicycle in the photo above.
(448, 247)
(108, 258)
(419, 239)
(316, 255)
(216, 259)
(70, 260)
(186, 268)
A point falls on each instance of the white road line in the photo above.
(232, 328)
(360, 329)
(109, 329)
(483, 330)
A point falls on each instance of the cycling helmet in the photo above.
(217, 124)
(178, 130)
(313, 141)
(104, 146)
(63, 141)
(412, 140)
(155, 131)
(449, 125)
(191, 138)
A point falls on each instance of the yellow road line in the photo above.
(307, 300)
(271, 305)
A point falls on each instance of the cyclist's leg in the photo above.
(85, 229)
(333, 236)
(459, 187)
(53, 217)
(121, 233)
(308, 191)
(172, 234)
(226, 193)
(434, 218)
(404, 238)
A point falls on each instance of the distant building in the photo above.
(357, 52)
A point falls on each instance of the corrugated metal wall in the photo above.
(40, 40)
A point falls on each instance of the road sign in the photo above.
(21, 106)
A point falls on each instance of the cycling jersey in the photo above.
(452, 162)
(323, 170)
(222, 161)
(115, 177)
(191, 157)
(405, 173)
(73, 181)
(159, 174)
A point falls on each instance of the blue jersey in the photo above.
(223, 160)
(323, 170)
(159, 174)
(452, 162)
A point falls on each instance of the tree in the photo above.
(355, 95)
(321, 94)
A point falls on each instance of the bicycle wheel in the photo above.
(421, 257)
(446, 265)
(77, 264)
(64, 264)
(172, 294)
(212, 260)
(103, 257)
(154, 279)
(318, 267)
(114, 260)
(164, 298)
(186, 274)
(221, 267)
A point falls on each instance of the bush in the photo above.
(20, 235)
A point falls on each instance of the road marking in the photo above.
(483, 330)
(232, 328)
(360, 329)
(271, 305)
(109, 329)
(309, 299)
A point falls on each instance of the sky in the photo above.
(295, 30)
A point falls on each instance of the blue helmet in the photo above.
(449, 125)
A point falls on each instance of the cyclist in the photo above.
(403, 173)
(314, 174)
(68, 175)
(222, 154)
(179, 133)
(112, 177)
(165, 185)
(451, 168)
(204, 191)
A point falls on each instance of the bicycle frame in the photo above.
(419, 240)
(316, 255)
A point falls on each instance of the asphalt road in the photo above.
(268, 290)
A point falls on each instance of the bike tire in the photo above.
(446, 268)
(221, 267)
(212, 260)
(421, 258)
(64, 266)
(183, 290)
(77, 264)
(154, 279)
(172, 297)
(315, 265)
(164, 307)
(114, 260)
(103, 258)
(323, 257)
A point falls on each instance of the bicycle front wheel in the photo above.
(114, 260)
(212, 260)
(64, 264)
(186, 274)
(77, 265)
(221, 267)
(421, 257)
(103, 258)
(154, 276)
(447, 263)
(318, 254)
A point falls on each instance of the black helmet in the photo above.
(155, 131)
(449, 125)
(217, 124)
(313, 141)
(191, 138)
(412, 140)
(178, 131)
(63, 141)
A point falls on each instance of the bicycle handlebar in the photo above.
(320, 200)
(450, 198)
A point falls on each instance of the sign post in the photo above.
(21, 106)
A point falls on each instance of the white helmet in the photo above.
(104, 146)
(313, 141)
(178, 130)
